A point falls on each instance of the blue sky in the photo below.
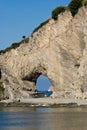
(21, 17)
(43, 83)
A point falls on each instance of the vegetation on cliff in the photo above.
(73, 6)
(57, 11)
(84, 2)
(15, 45)
(42, 24)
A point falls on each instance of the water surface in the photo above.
(24, 118)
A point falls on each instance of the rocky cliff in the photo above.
(57, 50)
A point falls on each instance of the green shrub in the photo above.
(42, 24)
(84, 2)
(57, 11)
(26, 40)
(74, 6)
(14, 45)
(1, 51)
(77, 65)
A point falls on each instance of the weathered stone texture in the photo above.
(57, 50)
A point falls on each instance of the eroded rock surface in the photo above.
(58, 50)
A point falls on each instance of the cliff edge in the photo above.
(57, 50)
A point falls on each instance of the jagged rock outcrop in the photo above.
(57, 50)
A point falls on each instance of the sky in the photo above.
(43, 83)
(21, 17)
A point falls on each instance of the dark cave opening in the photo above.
(42, 85)
(32, 77)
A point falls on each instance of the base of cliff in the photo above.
(44, 102)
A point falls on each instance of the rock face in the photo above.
(57, 50)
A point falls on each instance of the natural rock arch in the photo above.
(35, 74)
(54, 50)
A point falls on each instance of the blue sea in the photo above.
(25, 118)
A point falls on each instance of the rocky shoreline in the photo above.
(44, 102)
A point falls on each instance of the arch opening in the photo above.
(43, 86)
(38, 82)
(43, 83)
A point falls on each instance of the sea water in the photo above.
(25, 118)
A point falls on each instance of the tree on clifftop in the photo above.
(74, 6)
